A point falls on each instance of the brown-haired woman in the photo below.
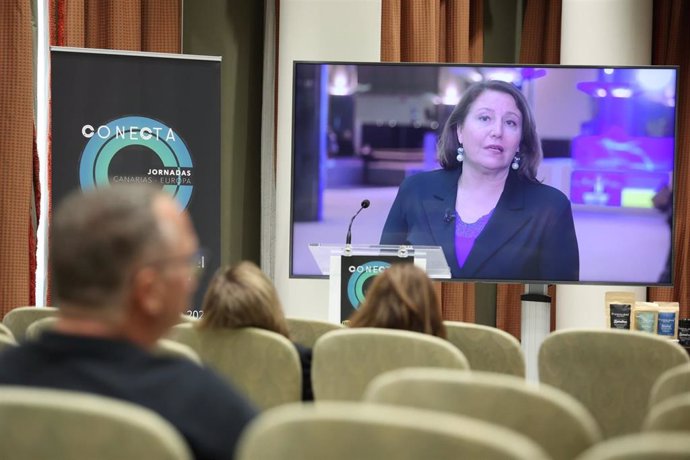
(242, 296)
(402, 297)
(485, 207)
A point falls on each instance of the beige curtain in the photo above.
(436, 31)
(670, 47)
(17, 232)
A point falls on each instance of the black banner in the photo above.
(357, 274)
(141, 118)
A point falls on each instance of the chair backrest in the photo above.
(307, 331)
(185, 318)
(487, 348)
(167, 347)
(6, 342)
(346, 361)
(36, 328)
(262, 364)
(611, 372)
(670, 383)
(5, 331)
(57, 424)
(19, 319)
(551, 418)
(641, 446)
(672, 414)
(350, 430)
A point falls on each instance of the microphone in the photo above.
(348, 241)
(448, 216)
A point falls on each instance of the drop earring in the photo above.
(516, 162)
(461, 154)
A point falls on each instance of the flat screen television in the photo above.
(595, 207)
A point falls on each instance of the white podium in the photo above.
(329, 256)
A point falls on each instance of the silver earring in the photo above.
(461, 154)
(516, 162)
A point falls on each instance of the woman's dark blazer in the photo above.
(529, 237)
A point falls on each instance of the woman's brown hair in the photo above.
(242, 296)
(530, 145)
(402, 297)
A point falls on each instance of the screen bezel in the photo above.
(676, 68)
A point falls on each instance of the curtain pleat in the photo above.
(541, 32)
(671, 23)
(16, 153)
(436, 31)
(131, 25)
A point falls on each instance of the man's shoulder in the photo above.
(195, 381)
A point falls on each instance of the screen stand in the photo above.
(535, 325)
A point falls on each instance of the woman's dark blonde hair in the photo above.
(402, 297)
(242, 296)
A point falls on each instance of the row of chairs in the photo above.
(657, 418)
(266, 366)
(484, 349)
(555, 425)
(72, 425)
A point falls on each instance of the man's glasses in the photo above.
(196, 262)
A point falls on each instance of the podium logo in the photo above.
(361, 276)
(136, 149)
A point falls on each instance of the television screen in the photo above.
(549, 174)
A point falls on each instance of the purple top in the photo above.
(466, 235)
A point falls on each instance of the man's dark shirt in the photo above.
(209, 413)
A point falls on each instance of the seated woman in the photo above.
(242, 296)
(402, 297)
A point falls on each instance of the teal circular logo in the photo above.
(108, 142)
(361, 274)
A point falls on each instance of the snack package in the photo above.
(684, 332)
(619, 307)
(644, 317)
(667, 319)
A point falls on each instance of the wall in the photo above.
(350, 30)
(233, 29)
(313, 30)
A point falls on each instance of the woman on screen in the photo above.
(242, 296)
(401, 297)
(486, 208)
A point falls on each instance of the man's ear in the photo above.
(146, 293)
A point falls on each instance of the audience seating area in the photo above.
(672, 414)
(263, 364)
(307, 331)
(549, 417)
(610, 371)
(346, 361)
(380, 393)
(642, 446)
(62, 425)
(352, 430)
(487, 348)
(672, 382)
(19, 319)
